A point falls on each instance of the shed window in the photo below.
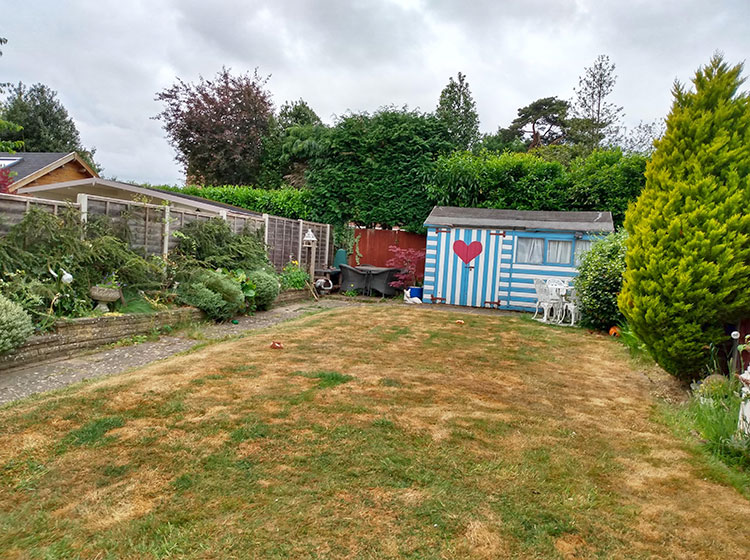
(558, 252)
(530, 250)
(582, 247)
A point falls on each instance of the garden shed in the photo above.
(486, 257)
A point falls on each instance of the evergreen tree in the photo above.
(594, 119)
(543, 121)
(458, 111)
(689, 247)
(7, 128)
(45, 125)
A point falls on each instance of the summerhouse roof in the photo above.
(520, 219)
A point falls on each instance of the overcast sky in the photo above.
(107, 59)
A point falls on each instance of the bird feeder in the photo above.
(311, 241)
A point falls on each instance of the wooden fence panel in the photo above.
(147, 225)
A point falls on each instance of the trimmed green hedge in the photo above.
(286, 202)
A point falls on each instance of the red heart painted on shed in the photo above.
(467, 253)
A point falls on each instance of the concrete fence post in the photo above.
(165, 233)
(83, 205)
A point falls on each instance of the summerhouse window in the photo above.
(582, 247)
(530, 250)
(558, 252)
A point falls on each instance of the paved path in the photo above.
(45, 377)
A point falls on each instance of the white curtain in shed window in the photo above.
(530, 250)
(558, 252)
(582, 247)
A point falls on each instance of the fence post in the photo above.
(265, 229)
(223, 215)
(299, 243)
(83, 205)
(165, 233)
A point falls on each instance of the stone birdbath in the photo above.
(104, 295)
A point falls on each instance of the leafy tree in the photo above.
(640, 139)
(509, 180)
(594, 119)
(687, 274)
(373, 169)
(504, 140)
(7, 128)
(543, 121)
(606, 180)
(217, 126)
(297, 113)
(45, 125)
(458, 111)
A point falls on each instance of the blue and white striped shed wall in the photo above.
(472, 253)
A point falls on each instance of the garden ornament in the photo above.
(67, 277)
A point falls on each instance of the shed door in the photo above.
(467, 266)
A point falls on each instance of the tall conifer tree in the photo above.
(688, 272)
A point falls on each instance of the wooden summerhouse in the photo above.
(483, 257)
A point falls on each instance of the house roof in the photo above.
(519, 219)
(29, 166)
(72, 187)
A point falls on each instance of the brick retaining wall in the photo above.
(74, 335)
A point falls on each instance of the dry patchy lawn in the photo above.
(377, 432)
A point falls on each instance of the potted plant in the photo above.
(106, 291)
(408, 260)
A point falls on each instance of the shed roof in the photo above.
(70, 188)
(29, 166)
(520, 219)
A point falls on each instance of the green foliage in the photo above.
(293, 277)
(44, 124)
(689, 244)
(712, 412)
(509, 180)
(38, 249)
(92, 433)
(542, 121)
(216, 294)
(15, 325)
(606, 180)
(286, 201)
(213, 245)
(373, 169)
(599, 282)
(504, 140)
(266, 288)
(458, 111)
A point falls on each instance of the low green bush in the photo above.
(599, 282)
(266, 288)
(15, 325)
(214, 293)
(293, 277)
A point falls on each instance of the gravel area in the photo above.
(52, 375)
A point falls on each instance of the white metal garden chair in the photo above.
(557, 290)
(570, 307)
(544, 299)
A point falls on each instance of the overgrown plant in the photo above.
(15, 325)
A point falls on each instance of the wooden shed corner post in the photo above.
(83, 205)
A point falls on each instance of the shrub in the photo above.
(599, 282)
(266, 288)
(293, 277)
(15, 325)
(689, 245)
(213, 244)
(217, 295)
(409, 261)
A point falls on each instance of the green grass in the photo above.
(93, 432)
(327, 378)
